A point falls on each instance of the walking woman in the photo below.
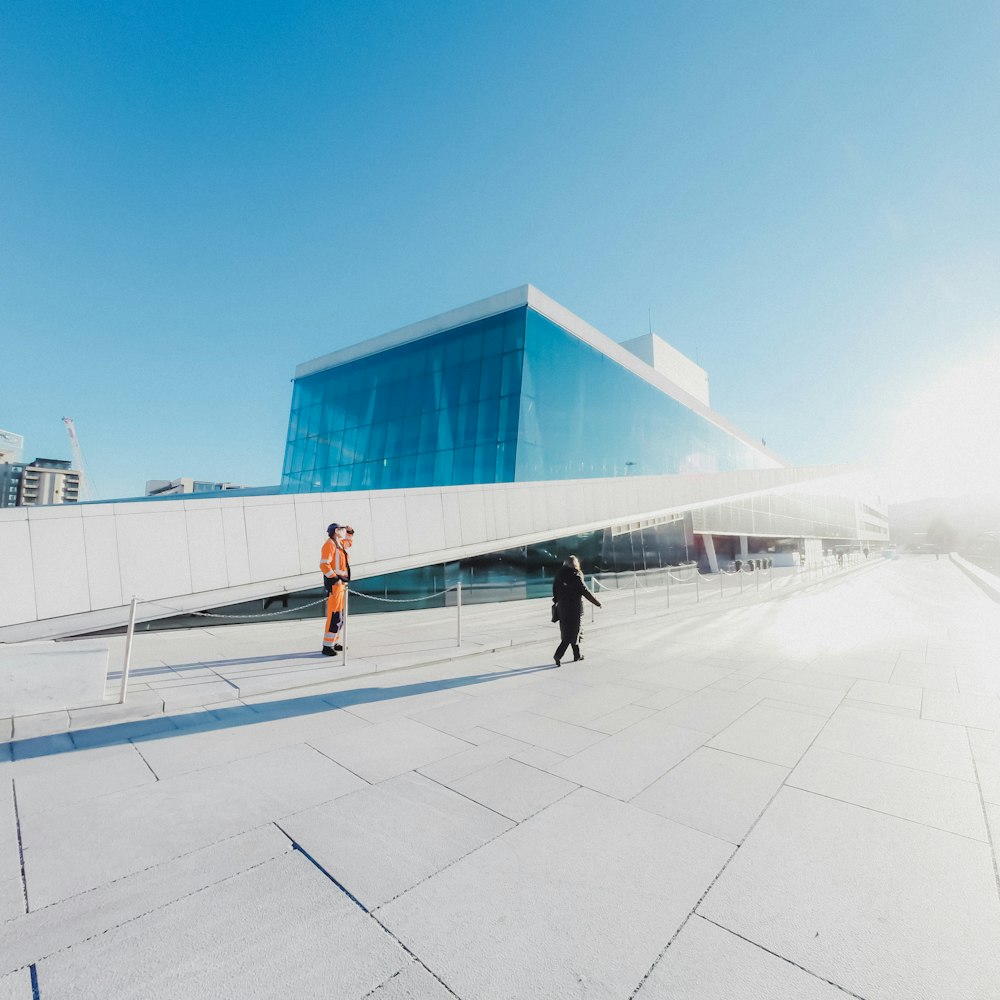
(568, 591)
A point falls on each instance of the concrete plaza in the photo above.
(796, 797)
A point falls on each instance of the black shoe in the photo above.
(329, 652)
(558, 663)
(577, 659)
(338, 647)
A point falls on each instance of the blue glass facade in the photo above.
(438, 411)
(510, 398)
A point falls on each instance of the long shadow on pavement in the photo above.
(164, 726)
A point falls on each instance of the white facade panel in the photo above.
(234, 537)
(153, 552)
(59, 558)
(309, 526)
(520, 518)
(452, 520)
(166, 550)
(390, 538)
(272, 544)
(100, 536)
(17, 577)
(206, 549)
(472, 508)
(425, 522)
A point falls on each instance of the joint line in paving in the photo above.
(20, 844)
(143, 759)
(719, 874)
(296, 846)
(986, 819)
(357, 902)
(784, 958)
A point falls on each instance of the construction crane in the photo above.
(74, 443)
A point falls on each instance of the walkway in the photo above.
(797, 799)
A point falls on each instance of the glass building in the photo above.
(515, 396)
(518, 389)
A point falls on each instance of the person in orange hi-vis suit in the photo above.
(336, 567)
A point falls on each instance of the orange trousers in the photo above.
(334, 613)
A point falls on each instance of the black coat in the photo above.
(568, 591)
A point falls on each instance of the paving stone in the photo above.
(547, 910)
(592, 703)
(302, 936)
(513, 789)
(795, 694)
(482, 709)
(43, 932)
(721, 794)
(16, 986)
(624, 764)
(688, 676)
(976, 710)
(896, 695)
(138, 706)
(811, 678)
(539, 757)
(29, 727)
(214, 744)
(390, 706)
(844, 901)
(788, 706)
(620, 718)
(986, 751)
(496, 749)
(925, 676)
(663, 697)
(41, 746)
(770, 734)
(85, 845)
(382, 840)
(710, 710)
(917, 743)
(389, 748)
(931, 799)
(49, 782)
(870, 706)
(413, 983)
(539, 730)
(707, 962)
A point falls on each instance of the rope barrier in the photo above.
(401, 600)
(208, 614)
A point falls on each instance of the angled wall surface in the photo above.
(73, 569)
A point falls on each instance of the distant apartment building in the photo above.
(48, 481)
(32, 484)
(164, 487)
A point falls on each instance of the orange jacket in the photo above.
(334, 562)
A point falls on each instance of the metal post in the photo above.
(668, 588)
(635, 593)
(741, 583)
(593, 588)
(757, 578)
(129, 632)
(697, 587)
(458, 608)
(343, 631)
(722, 592)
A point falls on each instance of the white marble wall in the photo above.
(76, 567)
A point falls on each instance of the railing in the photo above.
(664, 580)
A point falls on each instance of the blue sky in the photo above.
(196, 197)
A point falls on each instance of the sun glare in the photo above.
(945, 440)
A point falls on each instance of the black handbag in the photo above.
(555, 611)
